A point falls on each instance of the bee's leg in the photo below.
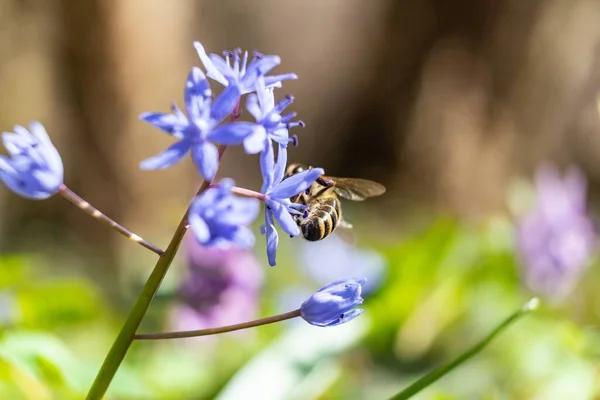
(325, 182)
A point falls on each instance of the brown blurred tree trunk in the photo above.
(89, 82)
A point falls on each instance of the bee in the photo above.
(324, 212)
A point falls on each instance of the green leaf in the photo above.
(438, 373)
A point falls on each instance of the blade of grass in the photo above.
(438, 373)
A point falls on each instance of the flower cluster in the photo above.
(218, 218)
(556, 237)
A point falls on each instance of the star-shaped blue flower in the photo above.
(277, 193)
(218, 218)
(199, 130)
(333, 304)
(35, 169)
(271, 125)
(241, 75)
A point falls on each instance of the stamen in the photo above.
(305, 215)
(228, 54)
(244, 63)
(294, 140)
(288, 117)
(283, 104)
(236, 57)
(290, 125)
(258, 54)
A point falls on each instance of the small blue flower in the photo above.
(271, 125)
(277, 193)
(333, 304)
(199, 130)
(241, 76)
(218, 218)
(35, 169)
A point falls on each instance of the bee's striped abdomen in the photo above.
(322, 219)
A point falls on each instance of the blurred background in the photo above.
(453, 105)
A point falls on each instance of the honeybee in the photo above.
(324, 212)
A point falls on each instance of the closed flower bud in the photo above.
(35, 169)
(333, 304)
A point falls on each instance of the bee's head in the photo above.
(295, 168)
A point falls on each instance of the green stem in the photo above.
(117, 352)
(221, 329)
(437, 373)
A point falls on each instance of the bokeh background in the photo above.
(453, 105)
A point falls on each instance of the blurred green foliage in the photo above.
(446, 288)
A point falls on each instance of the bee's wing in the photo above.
(345, 232)
(356, 189)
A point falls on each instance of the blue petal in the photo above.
(199, 227)
(255, 142)
(225, 103)
(48, 152)
(272, 238)
(224, 68)
(257, 69)
(39, 133)
(253, 107)
(168, 157)
(346, 317)
(295, 184)
(196, 93)
(243, 238)
(273, 80)
(284, 218)
(266, 99)
(281, 164)
(267, 161)
(211, 70)
(206, 158)
(48, 180)
(232, 133)
(18, 185)
(16, 144)
(239, 211)
(169, 123)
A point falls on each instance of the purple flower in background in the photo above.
(334, 304)
(35, 169)
(218, 218)
(556, 238)
(221, 287)
(333, 259)
(277, 193)
(241, 76)
(197, 132)
(271, 125)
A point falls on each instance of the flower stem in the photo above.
(222, 329)
(87, 208)
(248, 193)
(437, 373)
(117, 352)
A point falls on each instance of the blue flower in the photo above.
(199, 130)
(277, 193)
(241, 77)
(333, 304)
(271, 125)
(218, 218)
(35, 169)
